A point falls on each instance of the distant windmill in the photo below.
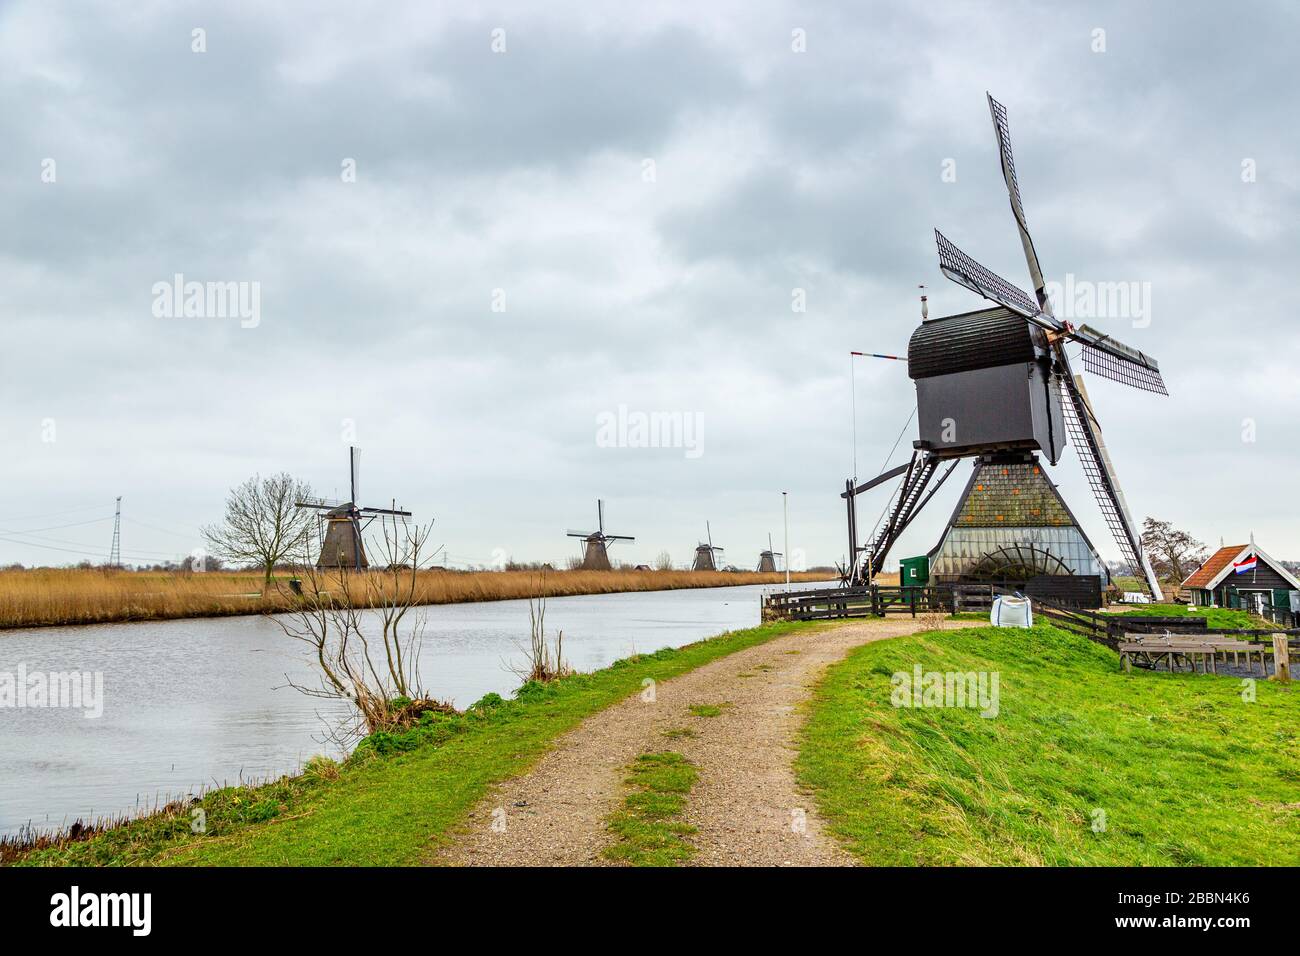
(707, 554)
(595, 544)
(345, 521)
(767, 559)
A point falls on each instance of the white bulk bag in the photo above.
(1012, 612)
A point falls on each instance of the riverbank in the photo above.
(394, 801)
(47, 597)
(1082, 764)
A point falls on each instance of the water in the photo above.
(195, 703)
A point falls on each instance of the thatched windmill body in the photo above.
(595, 544)
(767, 559)
(344, 522)
(708, 556)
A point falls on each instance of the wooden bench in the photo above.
(1150, 649)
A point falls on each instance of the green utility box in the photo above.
(914, 572)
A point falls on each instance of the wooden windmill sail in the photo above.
(997, 385)
(342, 545)
(708, 556)
(767, 559)
(595, 544)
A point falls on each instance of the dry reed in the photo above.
(57, 596)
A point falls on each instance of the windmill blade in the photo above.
(619, 537)
(1003, 130)
(326, 504)
(1112, 359)
(1085, 435)
(580, 534)
(385, 511)
(965, 271)
(354, 472)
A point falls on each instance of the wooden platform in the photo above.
(1149, 650)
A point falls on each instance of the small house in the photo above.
(1242, 576)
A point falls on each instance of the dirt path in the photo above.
(746, 804)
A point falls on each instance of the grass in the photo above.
(649, 828)
(706, 710)
(398, 796)
(55, 596)
(1215, 617)
(1180, 769)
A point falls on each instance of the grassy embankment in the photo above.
(1216, 618)
(51, 596)
(1171, 769)
(397, 796)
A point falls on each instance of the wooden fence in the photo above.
(1108, 630)
(859, 602)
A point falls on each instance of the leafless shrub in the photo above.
(336, 616)
(543, 661)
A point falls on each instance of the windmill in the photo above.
(344, 521)
(595, 544)
(767, 559)
(707, 554)
(998, 386)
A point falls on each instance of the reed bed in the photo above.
(58, 596)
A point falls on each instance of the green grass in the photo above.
(398, 796)
(1215, 617)
(706, 710)
(674, 733)
(1184, 770)
(649, 829)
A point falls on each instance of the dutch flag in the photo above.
(1241, 567)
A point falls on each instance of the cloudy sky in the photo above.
(474, 230)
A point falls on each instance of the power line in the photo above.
(86, 553)
(53, 527)
(54, 514)
(152, 527)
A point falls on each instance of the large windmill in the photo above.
(344, 522)
(595, 544)
(998, 386)
(707, 554)
(767, 559)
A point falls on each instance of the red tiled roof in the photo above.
(1207, 572)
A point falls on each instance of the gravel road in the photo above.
(746, 805)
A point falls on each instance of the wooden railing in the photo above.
(859, 602)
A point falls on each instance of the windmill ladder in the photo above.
(1104, 489)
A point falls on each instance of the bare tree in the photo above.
(262, 524)
(1173, 554)
(664, 562)
(365, 650)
